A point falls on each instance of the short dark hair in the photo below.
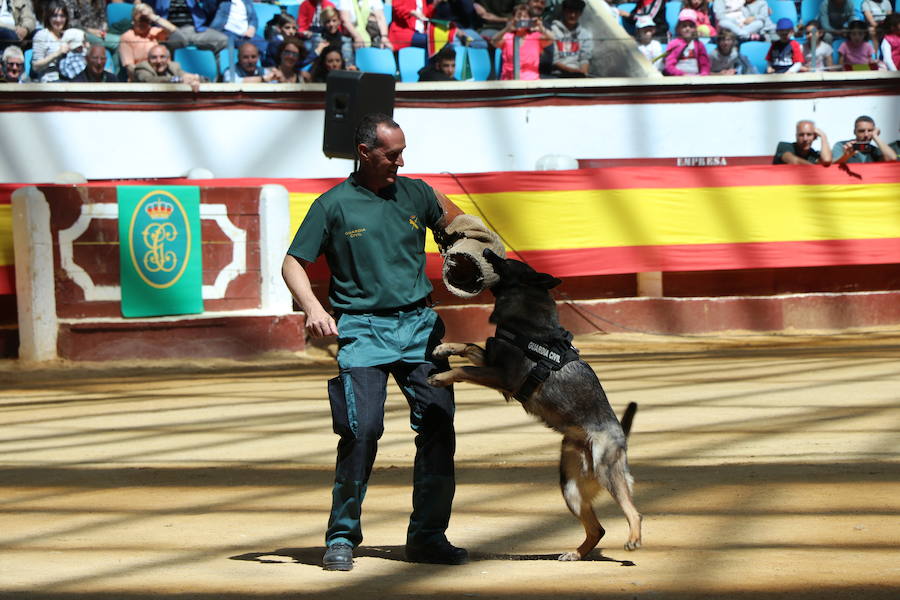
(890, 22)
(858, 26)
(367, 130)
(445, 53)
(863, 118)
(577, 5)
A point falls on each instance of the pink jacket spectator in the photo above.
(673, 55)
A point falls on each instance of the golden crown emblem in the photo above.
(159, 209)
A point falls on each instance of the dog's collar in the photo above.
(548, 354)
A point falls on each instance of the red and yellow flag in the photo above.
(440, 33)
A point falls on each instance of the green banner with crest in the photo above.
(161, 267)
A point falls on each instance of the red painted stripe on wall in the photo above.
(702, 257)
(6, 191)
(619, 178)
(7, 279)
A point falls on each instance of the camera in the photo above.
(523, 24)
(862, 146)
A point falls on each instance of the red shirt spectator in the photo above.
(407, 21)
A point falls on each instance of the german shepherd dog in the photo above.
(570, 400)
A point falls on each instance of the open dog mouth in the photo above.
(464, 273)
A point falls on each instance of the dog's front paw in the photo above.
(440, 379)
(443, 351)
(570, 556)
(632, 545)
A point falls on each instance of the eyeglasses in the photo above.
(289, 53)
(14, 65)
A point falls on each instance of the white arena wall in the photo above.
(139, 131)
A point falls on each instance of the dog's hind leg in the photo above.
(619, 486)
(579, 490)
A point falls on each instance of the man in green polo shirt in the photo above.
(371, 229)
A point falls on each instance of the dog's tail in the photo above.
(628, 417)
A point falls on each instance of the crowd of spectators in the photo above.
(709, 41)
(549, 37)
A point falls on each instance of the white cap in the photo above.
(644, 21)
(74, 38)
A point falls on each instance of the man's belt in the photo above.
(387, 312)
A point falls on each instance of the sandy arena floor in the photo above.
(765, 468)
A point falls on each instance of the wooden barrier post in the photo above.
(274, 239)
(35, 289)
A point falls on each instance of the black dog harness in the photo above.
(548, 354)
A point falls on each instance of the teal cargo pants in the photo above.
(371, 347)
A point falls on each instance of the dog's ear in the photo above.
(497, 262)
(543, 280)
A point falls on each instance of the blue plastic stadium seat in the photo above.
(834, 46)
(264, 13)
(376, 60)
(673, 7)
(411, 60)
(27, 67)
(195, 60)
(809, 10)
(756, 54)
(460, 61)
(783, 9)
(480, 63)
(227, 57)
(627, 6)
(119, 11)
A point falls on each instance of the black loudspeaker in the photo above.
(349, 96)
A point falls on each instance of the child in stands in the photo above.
(704, 24)
(857, 51)
(332, 33)
(725, 58)
(652, 50)
(816, 51)
(533, 38)
(655, 9)
(785, 55)
(890, 43)
(280, 27)
(685, 55)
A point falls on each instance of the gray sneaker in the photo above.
(338, 557)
